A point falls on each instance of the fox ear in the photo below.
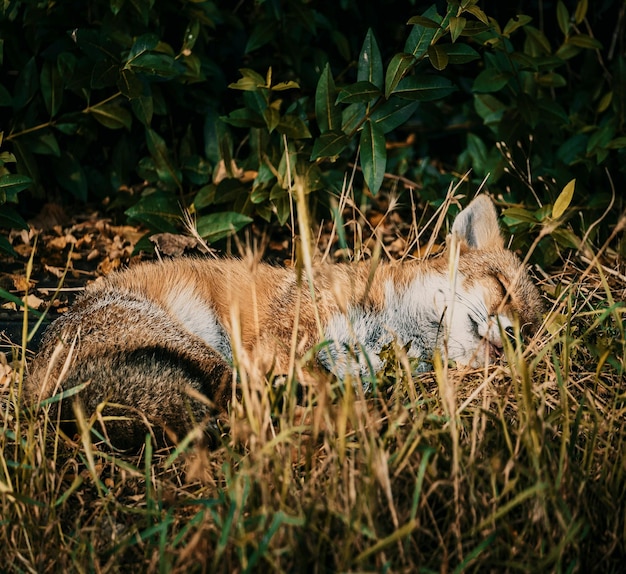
(477, 225)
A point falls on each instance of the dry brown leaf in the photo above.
(56, 271)
(62, 242)
(33, 301)
(107, 265)
(21, 283)
(221, 173)
(5, 373)
(375, 218)
(172, 244)
(23, 250)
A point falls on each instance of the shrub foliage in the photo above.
(221, 108)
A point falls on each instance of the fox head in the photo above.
(490, 294)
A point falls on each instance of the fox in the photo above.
(140, 344)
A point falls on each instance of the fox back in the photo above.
(145, 343)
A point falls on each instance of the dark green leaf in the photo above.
(42, 142)
(373, 157)
(51, 87)
(424, 88)
(351, 117)
(396, 70)
(216, 226)
(329, 144)
(156, 64)
(66, 64)
(393, 113)
(205, 196)
(567, 51)
(423, 21)
(215, 131)
(617, 143)
(515, 23)
(143, 108)
(244, 118)
(566, 238)
(473, 28)
(293, 127)
(10, 218)
(457, 25)
(538, 42)
(527, 107)
(262, 34)
(26, 85)
(282, 207)
(581, 10)
(104, 74)
(517, 214)
(550, 80)
(489, 108)
(272, 118)
(259, 194)
(438, 57)
(116, 6)
(257, 100)
(370, 67)
(191, 35)
(230, 191)
(69, 124)
(163, 163)
(327, 114)
(573, 149)
(477, 12)
(112, 116)
(601, 137)
(143, 8)
(584, 41)
(360, 92)
(5, 97)
(11, 184)
(131, 85)
(70, 174)
(421, 35)
(278, 192)
(459, 53)
(562, 17)
(160, 211)
(477, 151)
(196, 170)
(490, 80)
(7, 248)
(143, 44)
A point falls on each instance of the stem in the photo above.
(102, 103)
(51, 123)
(13, 136)
(368, 115)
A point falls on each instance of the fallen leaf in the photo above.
(33, 301)
(172, 244)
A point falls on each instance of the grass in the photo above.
(517, 467)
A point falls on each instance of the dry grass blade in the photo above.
(519, 466)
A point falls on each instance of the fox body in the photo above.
(141, 337)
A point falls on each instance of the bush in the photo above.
(100, 96)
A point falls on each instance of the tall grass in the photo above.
(516, 467)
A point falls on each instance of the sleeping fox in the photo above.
(140, 338)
